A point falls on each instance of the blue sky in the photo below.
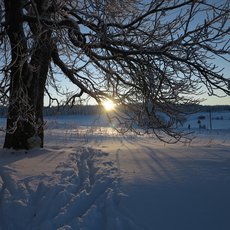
(209, 100)
(213, 100)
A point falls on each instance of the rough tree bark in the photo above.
(27, 84)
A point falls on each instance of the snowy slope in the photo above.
(91, 178)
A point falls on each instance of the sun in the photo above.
(108, 105)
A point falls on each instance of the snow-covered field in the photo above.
(89, 177)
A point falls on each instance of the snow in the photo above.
(88, 177)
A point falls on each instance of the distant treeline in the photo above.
(96, 109)
(214, 108)
(204, 108)
(64, 110)
(73, 110)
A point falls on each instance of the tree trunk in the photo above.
(40, 62)
(25, 128)
(27, 83)
(25, 125)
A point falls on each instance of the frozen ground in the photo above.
(90, 178)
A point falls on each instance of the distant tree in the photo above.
(149, 57)
(201, 117)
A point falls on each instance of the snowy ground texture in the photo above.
(90, 178)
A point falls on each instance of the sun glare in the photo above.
(108, 105)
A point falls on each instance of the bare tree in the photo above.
(149, 57)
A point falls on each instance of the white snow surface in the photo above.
(88, 177)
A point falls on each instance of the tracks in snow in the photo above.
(80, 194)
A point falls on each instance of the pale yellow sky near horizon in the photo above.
(213, 100)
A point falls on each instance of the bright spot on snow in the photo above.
(108, 105)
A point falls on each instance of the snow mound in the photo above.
(80, 193)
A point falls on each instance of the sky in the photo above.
(213, 100)
(208, 100)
